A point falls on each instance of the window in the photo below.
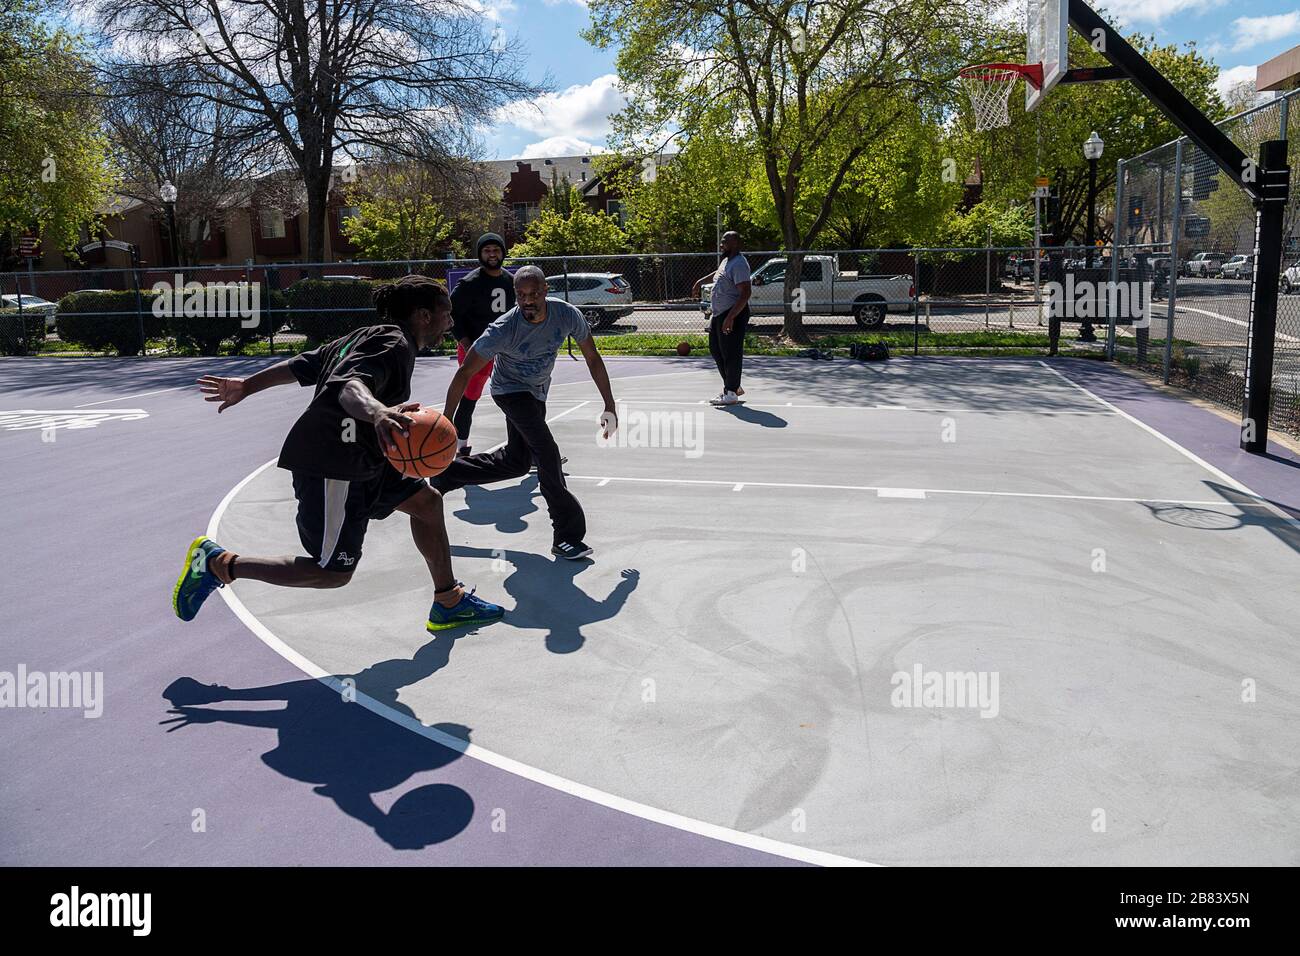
(524, 212)
(195, 225)
(272, 224)
(555, 284)
(615, 208)
(347, 212)
(810, 272)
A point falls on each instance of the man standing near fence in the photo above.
(729, 316)
(478, 300)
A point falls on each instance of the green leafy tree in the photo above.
(582, 233)
(408, 210)
(54, 170)
(791, 78)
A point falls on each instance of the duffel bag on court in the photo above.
(869, 351)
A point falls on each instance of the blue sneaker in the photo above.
(470, 610)
(196, 581)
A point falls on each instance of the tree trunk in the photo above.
(793, 324)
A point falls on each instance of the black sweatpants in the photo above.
(728, 348)
(528, 439)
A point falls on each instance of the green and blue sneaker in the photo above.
(468, 611)
(197, 581)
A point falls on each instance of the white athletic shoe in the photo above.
(718, 399)
(729, 398)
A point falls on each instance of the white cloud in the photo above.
(1130, 12)
(579, 111)
(559, 146)
(1232, 77)
(493, 10)
(1252, 31)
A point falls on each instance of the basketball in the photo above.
(683, 348)
(429, 447)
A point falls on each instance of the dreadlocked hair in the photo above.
(395, 301)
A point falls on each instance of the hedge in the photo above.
(326, 309)
(207, 333)
(21, 333)
(98, 321)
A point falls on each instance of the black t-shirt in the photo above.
(476, 302)
(382, 358)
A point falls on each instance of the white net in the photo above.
(989, 89)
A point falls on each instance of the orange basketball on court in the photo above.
(683, 348)
(428, 449)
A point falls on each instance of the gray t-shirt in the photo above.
(523, 354)
(730, 274)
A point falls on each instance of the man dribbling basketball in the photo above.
(341, 478)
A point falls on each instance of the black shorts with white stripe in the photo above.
(333, 514)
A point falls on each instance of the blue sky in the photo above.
(1237, 35)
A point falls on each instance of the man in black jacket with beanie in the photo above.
(478, 300)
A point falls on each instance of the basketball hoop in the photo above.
(989, 87)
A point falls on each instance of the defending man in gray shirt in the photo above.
(523, 344)
(729, 316)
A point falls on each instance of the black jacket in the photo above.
(476, 303)
(319, 445)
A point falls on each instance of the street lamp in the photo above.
(168, 193)
(1092, 149)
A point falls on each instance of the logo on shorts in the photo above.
(344, 558)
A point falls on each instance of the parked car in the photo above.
(1238, 267)
(31, 303)
(1291, 277)
(1020, 267)
(827, 291)
(1203, 265)
(602, 297)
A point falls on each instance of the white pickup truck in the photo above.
(827, 291)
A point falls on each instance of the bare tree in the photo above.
(163, 128)
(410, 77)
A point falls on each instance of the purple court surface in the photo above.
(720, 686)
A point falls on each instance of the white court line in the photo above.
(122, 398)
(582, 791)
(1218, 473)
(894, 492)
(1221, 475)
(647, 400)
(553, 418)
(1227, 318)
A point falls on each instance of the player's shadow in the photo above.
(755, 416)
(503, 507)
(345, 750)
(547, 596)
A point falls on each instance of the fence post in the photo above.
(988, 252)
(1115, 254)
(1174, 235)
(916, 300)
(139, 302)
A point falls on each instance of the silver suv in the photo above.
(603, 297)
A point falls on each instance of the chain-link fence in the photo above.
(1198, 226)
(916, 299)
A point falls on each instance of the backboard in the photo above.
(1047, 42)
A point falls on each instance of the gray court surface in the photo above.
(767, 590)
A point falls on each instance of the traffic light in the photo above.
(1205, 179)
(1135, 207)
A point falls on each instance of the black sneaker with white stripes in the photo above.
(571, 550)
(563, 461)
